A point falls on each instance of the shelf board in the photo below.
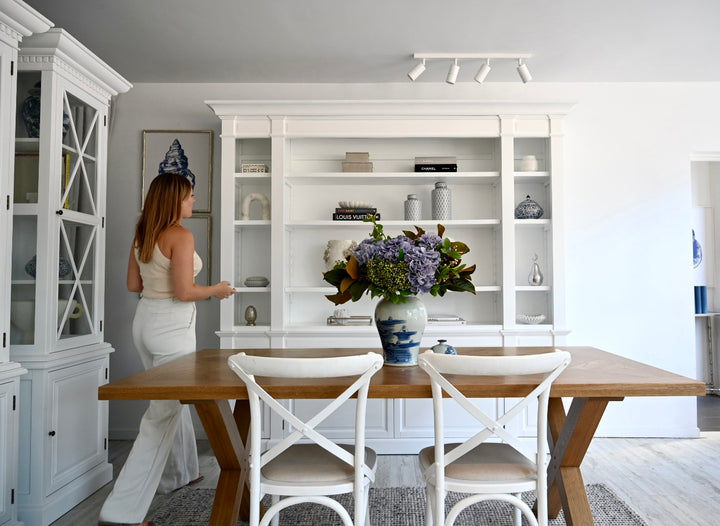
(25, 209)
(390, 178)
(533, 288)
(532, 222)
(22, 282)
(251, 222)
(426, 223)
(242, 288)
(251, 176)
(532, 177)
(27, 145)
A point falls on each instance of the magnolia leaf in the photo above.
(441, 230)
(346, 284)
(339, 298)
(459, 246)
(357, 289)
(353, 268)
(335, 276)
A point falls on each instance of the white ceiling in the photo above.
(344, 41)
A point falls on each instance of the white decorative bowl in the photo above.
(531, 319)
(354, 204)
(257, 281)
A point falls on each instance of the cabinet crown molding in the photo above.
(57, 47)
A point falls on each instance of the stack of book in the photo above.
(436, 164)
(357, 162)
(445, 319)
(354, 214)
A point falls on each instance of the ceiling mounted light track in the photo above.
(482, 73)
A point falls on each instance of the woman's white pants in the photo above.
(164, 455)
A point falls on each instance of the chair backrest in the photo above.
(547, 366)
(361, 366)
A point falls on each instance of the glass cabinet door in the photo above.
(78, 219)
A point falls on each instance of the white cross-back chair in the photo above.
(308, 472)
(488, 470)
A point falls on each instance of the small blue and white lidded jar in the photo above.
(443, 348)
(441, 202)
(413, 208)
(528, 209)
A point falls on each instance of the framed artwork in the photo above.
(201, 227)
(187, 152)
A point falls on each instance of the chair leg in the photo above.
(429, 506)
(274, 499)
(518, 513)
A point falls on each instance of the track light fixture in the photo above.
(417, 70)
(482, 73)
(523, 71)
(452, 72)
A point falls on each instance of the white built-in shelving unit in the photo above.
(303, 145)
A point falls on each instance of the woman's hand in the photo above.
(223, 290)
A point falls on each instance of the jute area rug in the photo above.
(393, 507)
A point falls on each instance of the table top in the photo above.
(205, 375)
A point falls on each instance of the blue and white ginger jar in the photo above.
(528, 209)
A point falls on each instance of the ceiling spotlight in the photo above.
(452, 72)
(417, 70)
(483, 71)
(523, 71)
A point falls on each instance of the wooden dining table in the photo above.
(593, 379)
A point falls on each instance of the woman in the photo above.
(162, 266)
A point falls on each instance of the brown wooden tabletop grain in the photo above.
(593, 373)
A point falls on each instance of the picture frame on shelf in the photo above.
(188, 152)
(201, 228)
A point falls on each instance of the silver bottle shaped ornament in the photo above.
(535, 277)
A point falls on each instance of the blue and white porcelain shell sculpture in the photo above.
(176, 162)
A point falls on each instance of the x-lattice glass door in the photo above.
(79, 219)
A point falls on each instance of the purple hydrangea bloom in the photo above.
(366, 250)
(429, 241)
(422, 264)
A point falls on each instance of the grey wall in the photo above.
(627, 209)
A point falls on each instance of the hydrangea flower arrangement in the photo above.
(397, 267)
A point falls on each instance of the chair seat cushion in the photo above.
(486, 463)
(312, 463)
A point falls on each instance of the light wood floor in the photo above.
(669, 482)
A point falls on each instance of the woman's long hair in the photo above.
(163, 208)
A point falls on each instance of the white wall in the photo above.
(628, 210)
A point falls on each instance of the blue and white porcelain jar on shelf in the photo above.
(528, 209)
(30, 112)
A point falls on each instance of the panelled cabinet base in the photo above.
(63, 453)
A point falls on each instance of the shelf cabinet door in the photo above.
(8, 447)
(76, 422)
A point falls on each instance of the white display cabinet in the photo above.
(303, 145)
(58, 271)
(17, 21)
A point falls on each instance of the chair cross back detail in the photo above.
(360, 366)
(491, 485)
(492, 427)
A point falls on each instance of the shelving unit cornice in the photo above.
(243, 109)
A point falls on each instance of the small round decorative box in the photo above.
(528, 209)
(257, 281)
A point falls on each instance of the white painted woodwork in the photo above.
(17, 20)
(303, 144)
(62, 426)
